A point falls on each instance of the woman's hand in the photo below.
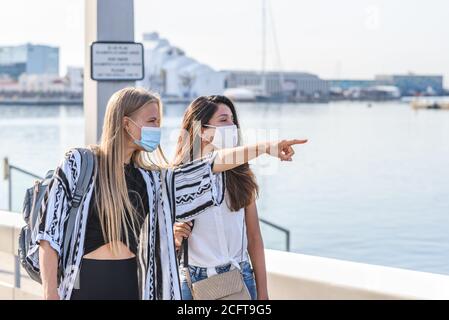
(228, 159)
(182, 230)
(283, 149)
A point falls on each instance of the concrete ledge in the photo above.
(10, 225)
(297, 276)
(6, 238)
(8, 292)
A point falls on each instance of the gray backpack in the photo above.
(34, 198)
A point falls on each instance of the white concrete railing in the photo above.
(14, 282)
(297, 276)
(290, 275)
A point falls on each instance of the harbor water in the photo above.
(372, 184)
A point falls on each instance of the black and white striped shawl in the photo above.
(190, 189)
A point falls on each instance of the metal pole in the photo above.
(7, 176)
(5, 168)
(284, 230)
(264, 47)
(9, 189)
(105, 20)
(16, 271)
(11, 168)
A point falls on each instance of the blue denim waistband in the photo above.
(203, 271)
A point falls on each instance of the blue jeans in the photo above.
(200, 273)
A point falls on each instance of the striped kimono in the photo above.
(189, 190)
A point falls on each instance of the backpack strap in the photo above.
(86, 171)
(34, 214)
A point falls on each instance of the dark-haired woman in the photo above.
(223, 236)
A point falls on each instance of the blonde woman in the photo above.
(122, 245)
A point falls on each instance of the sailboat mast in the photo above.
(264, 45)
(278, 54)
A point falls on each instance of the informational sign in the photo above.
(117, 61)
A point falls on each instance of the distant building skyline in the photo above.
(409, 84)
(29, 58)
(335, 39)
(412, 84)
(170, 72)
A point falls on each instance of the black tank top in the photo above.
(137, 192)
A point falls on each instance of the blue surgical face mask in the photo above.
(150, 137)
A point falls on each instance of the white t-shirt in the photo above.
(216, 238)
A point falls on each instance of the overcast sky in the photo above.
(334, 39)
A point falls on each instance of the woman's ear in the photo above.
(207, 134)
(125, 123)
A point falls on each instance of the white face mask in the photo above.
(225, 136)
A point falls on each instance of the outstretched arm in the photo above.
(228, 159)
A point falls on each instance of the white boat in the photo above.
(240, 94)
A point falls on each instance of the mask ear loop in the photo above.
(127, 131)
(208, 126)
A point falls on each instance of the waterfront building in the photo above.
(345, 84)
(74, 79)
(29, 59)
(171, 73)
(414, 84)
(290, 86)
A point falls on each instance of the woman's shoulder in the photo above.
(154, 175)
(76, 151)
(71, 161)
(205, 159)
(71, 158)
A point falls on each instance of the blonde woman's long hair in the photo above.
(113, 204)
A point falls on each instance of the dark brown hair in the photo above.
(241, 182)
